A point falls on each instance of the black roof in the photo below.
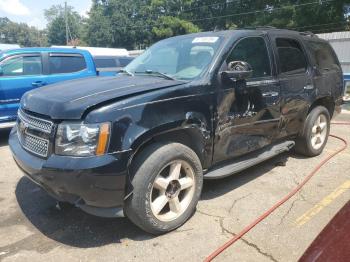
(254, 30)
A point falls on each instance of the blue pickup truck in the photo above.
(24, 69)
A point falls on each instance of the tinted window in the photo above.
(124, 61)
(252, 50)
(22, 65)
(184, 58)
(165, 59)
(291, 56)
(105, 62)
(60, 64)
(324, 56)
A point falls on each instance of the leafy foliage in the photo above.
(22, 34)
(57, 26)
(139, 23)
(133, 24)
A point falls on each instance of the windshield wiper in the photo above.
(156, 73)
(126, 72)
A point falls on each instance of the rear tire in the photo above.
(167, 181)
(315, 133)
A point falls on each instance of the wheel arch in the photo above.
(327, 102)
(192, 136)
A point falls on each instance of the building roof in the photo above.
(8, 46)
(345, 35)
(340, 42)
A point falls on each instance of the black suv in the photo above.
(191, 107)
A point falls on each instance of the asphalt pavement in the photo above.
(33, 228)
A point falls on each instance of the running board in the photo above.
(249, 160)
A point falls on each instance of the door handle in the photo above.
(309, 87)
(38, 83)
(270, 94)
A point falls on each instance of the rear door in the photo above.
(20, 73)
(295, 77)
(66, 66)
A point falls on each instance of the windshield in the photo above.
(177, 58)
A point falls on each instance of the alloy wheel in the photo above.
(173, 190)
(319, 132)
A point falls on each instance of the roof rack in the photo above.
(259, 27)
(308, 33)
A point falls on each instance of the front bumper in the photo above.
(95, 184)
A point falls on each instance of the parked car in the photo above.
(24, 69)
(332, 244)
(8, 46)
(192, 107)
(99, 51)
(111, 63)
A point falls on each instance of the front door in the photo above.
(248, 114)
(20, 73)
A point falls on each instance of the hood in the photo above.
(69, 100)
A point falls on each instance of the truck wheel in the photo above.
(167, 181)
(315, 134)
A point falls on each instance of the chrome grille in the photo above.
(34, 133)
(35, 144)
(36, 123)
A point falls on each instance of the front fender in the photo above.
(136, 120)
(187, 132)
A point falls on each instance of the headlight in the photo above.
(74, 139)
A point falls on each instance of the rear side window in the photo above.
(22, 65)
(66, 63)
(291, 56)
(124, 61)
(252, 50)
(105, 62)
(324, 56)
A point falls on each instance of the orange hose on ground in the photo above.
(341, 123)
(281, 202)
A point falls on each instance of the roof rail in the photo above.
(259, 27)
(308, 33)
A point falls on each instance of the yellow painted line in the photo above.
(323, 203)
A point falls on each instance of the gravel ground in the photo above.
(32, 228)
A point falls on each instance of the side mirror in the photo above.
(237, 70)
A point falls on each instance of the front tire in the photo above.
(315, 133)
(167, 181)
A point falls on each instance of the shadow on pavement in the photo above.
(4, 136)
(219, 187)
(70, 225)
(73, 227)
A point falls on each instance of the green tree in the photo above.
(21, 33)
(317, 16)
(56, 18)
(172, 26)
(130, 24)
(134, 23)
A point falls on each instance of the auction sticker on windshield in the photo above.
(205, 40)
